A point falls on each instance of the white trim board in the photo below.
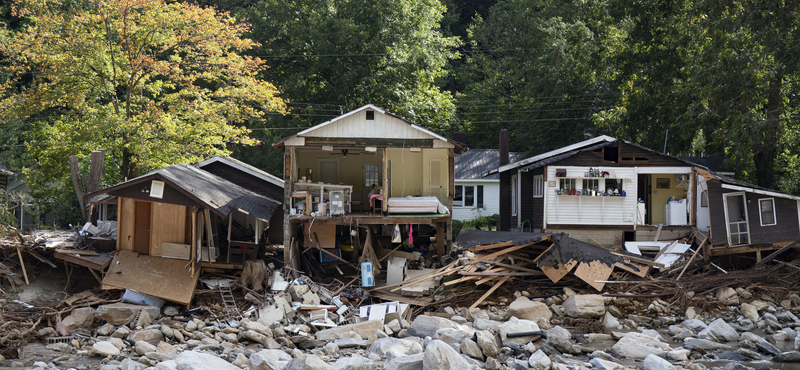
(759, 191)
(568, 148)
(662, 170)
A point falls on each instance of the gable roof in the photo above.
(393, 127)
(714, 163)
(244, 167)
(471, 164)
(573, 148)
(213, 192)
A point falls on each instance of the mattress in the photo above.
(411, 204)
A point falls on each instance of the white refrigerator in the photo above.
(675, 213)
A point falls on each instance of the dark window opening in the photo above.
(610, 154)
(370, 115)
(630, 236)
(480, 197)
(627, 158)
(639, 158)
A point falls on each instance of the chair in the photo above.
(355, 198)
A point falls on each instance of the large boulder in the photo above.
(653, 362)
(308, 362)
(749, 311)
(257, 361)
(719, 331)
(585, 305)
(471, 349)
(705, 345)
(637, 346)
(426, 326)
(727, 296)
(602, 364)
(487, 342)
(364, 329)
(189, 360)
(401, 346)
(80, 318)
(539, 361)
(123, 313)
(525, 309)
(152, 336)
(514, 325)
(440, 356)
(411, 362)
(105, 349)
(357, 363)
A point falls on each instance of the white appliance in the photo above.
(675, 213)
(336, 201)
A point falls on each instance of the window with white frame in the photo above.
(538, 186)
(766, 209)
(513, 195)
(468, 196)
(372, 175)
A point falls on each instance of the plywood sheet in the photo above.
(555, 274)
(127, 208)
(592, 272)
(163, 278)
(169, 226)
(633, 268)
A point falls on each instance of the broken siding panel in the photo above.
(587, 210)
(357, 126)
(719, 232)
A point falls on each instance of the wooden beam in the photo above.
(639, 260)
(689, 262)
(776, 253)
(40, 258)
(489, 292)
(22, 263)
(491, 246)
(501, 273)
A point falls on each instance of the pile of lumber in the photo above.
(492, 259)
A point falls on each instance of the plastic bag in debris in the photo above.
(396, 234)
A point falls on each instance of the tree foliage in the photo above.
(154, 83)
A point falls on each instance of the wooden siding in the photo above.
(171, 194)
(125, 223)
(357, 126)
(169, 226)
(587, 210)
(491, 199)
(786, 217)
(595, 159)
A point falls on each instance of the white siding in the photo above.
(587, 210)
(357, 126)
(491, 198)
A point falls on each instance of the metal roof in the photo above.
(244, 167)
(471, 164)
(213, 192)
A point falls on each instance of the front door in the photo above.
(736, 219)
(643, 191)
(141, 228)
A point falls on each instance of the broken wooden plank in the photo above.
(490, 291)
(593, 272)
(776, 253)
(22, 263)
(633, 268)
(692, 258)
(490, 246)
(556, 273)
(41, 258)
(445, 268)
(639, 260)
(78, 252)
(537, 273)
(516, 267)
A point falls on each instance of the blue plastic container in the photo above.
(367, 274)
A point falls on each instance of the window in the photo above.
(372, 175)
(370, 115)
(704, 198)
(736, 218)
(766, 209)
(591, 184)
(513, 195)
(468, 196)
(567, 184)
(538, 186)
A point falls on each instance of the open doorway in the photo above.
(645, 194)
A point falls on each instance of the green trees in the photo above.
(153, 83)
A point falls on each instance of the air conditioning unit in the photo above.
(336, 201)
(682, 177)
